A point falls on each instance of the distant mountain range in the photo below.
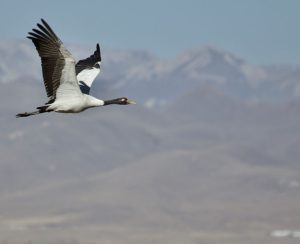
(209, 155)
(156, 81)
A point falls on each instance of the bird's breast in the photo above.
(69, 106)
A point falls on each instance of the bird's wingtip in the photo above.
(98, 51)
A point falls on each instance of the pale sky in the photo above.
(259, 31)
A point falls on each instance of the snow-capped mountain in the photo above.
(157, 82)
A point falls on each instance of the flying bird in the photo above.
(67, 83)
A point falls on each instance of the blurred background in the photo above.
(210, 154)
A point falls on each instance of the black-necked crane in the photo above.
(67, 83)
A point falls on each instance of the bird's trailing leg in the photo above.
(26, 114)
(40, 110)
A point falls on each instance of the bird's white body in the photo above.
(69, 98)
(75, 104)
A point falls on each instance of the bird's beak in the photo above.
(131, 102)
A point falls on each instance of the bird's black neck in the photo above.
(112, 101)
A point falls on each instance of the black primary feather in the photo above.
(89, 62)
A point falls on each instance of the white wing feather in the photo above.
(88, 75)
(88, 69)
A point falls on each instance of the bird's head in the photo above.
(125, 101)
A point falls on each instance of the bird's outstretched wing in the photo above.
(88, 69)
(58, 65)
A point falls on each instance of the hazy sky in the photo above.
(259, 31)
